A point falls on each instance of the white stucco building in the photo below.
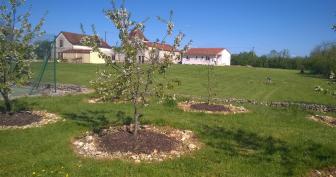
(205, 56)
(70, 49)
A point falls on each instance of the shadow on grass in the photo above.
(97, 120)
(269, 149)
(18, 105)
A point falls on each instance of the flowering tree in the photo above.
(129, 80)
(16, 49)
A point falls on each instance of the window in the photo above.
(143, 59)
(196, 57)
(61, 43)
(187, 57)
(113, 57)
(207, 58)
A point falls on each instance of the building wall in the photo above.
(66, 45)
(222, 59)
(71, 57)
(161, 55)
(93, 57)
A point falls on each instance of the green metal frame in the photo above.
(47, 57)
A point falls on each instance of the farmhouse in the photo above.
(205, 56)
(163, 49)
(69, 49)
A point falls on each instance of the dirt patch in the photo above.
(327, 172)
(18, 119)
(145, 142)
(211, 108)
(63, 89)
(328, 120)
(28, 119)
(152, 144)
(102, 101)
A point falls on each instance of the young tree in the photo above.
(129, 80)
(210, 72)
(16, 35)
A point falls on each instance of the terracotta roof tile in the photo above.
(76, 51)
(204, 51)
(138, 33)
(164, 47)
(75, 39)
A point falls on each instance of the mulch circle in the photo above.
(328, 120)
(152, 144)
(327, 172)
(145, 142)
(211, 108)
(27, 119)
(18, 119)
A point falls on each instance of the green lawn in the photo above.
(266, 142)
(238, 82)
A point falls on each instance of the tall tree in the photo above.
(129, 80)
(16, 49)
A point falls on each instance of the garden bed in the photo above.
(328, 120)
(327, 172)
(63, 89)
(27, 119)
(211, 108)
(152, 144)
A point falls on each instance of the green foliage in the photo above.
(274, 59)
(323, 59)
(16, 35)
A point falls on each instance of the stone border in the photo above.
(328, 120)
(87, 146)
(275, 104)
(46, 118)
(100, 101)
(186, 106)
(326, 172)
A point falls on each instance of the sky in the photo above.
(238, 25)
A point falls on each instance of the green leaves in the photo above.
(16, 49)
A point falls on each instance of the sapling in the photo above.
(129, 80)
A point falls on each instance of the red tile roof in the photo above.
(204, 51)
(76, 51)
(75, 39)
(164, 47)
(138, 33)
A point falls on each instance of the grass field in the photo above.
(266, 142)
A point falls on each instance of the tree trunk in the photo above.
(8, 105)
(136, 117)
(209, 89)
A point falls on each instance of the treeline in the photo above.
(275, 59)
(322, 60)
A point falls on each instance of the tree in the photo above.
(42, 48)
(210, 72)
(16, 35)
(130, 80)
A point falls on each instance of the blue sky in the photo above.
(239, 25)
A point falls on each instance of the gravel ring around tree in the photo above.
(326, 172)
(46, 118)
(89, 145)
(227, 109)
(327, 120)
